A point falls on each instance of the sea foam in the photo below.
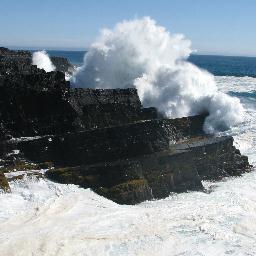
(142, 54)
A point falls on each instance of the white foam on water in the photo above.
(239, 84)
(245, 133)
(46, 218)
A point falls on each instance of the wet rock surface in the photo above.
(111, 143)
(179, 168)
(102, 139)
(62, 64)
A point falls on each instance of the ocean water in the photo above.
(226, 65)
(217, 65)
(46, 218)
(75, 57)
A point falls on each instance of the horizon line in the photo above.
(77, 49)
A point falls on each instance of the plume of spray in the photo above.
(141, 54)
(42, 60)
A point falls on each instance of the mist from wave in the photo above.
(140, 53)
(42, 60)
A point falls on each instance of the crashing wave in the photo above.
(43, 61)
(142, 54)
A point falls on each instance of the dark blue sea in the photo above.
(220, 66)
(75, 57)
(226, 65)
(217, 65)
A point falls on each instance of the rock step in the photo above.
(179, 169)
(99, 108)
(34, 102)
(112, 143)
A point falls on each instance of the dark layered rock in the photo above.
(62, 64)
(111, 107)
(5, 52)
(219, 159)
(167, 155)
(108, 144)
(178, 169)
(22, 60)
(34, 102)
(159, 174)
(103, 139)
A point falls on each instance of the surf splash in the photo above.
(142, 54)
(43, 61)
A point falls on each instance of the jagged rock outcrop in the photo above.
(20, 54)
(22, 60)
(104, 139)
(34, 102)
(62, 64)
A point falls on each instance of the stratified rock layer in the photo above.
(112, 143)
(104, 139)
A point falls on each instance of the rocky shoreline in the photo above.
(102, 139)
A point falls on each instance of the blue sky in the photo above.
(224, 27)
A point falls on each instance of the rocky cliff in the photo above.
(103, 139)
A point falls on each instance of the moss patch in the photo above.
(131, 185)
(73, 175)
(130, 192)
(23, 166)
(36, 175)
(4, 185)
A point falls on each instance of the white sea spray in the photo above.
(42, 60)
(143, 54)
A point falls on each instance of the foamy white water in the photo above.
(45, 218)
(239, 84)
